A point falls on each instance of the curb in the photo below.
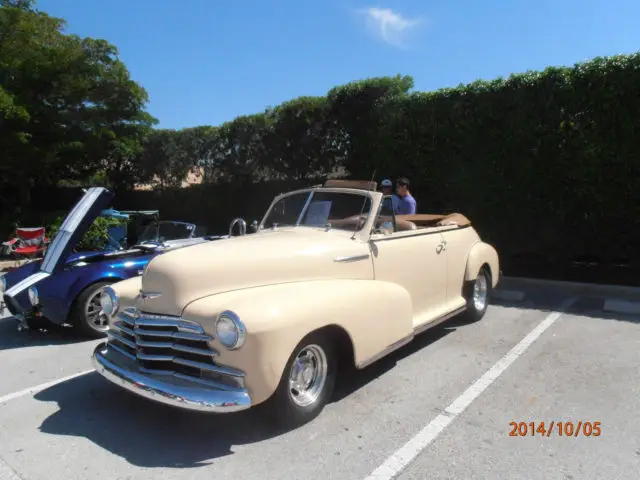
(622, 306)
(521, 283)
(617, 298)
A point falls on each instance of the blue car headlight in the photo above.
(33, 296)
(3, 284)
(230, 330)
(109, 302)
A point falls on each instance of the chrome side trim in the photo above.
(386, 351)
(433, 323)
(405, 340)
(351, 258)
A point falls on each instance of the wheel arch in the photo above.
(482, 255)
(74, 300)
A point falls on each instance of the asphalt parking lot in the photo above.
(439, 408)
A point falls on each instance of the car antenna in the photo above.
(363, 205)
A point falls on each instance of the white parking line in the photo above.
(8, 473)
(42, 386)
(399, 460)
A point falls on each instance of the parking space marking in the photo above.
(42, 386)
(400, 459)
(8, 473)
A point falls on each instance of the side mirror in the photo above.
(241, 222)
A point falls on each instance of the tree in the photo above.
(68, 106)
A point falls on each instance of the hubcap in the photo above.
(308, 375)
(480, 292)
(93, 312)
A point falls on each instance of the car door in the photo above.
(74, 226)
(416, 260)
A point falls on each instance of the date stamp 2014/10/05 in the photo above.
(563, 429)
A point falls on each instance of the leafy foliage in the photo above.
(67, 105)
(545, 163)
(95, 238)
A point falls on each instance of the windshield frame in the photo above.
(158, 224)
(310, 193)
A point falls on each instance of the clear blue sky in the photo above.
(205, 62)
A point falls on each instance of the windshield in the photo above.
(163, 231)
(341, 210)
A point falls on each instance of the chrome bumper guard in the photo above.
(119, 369)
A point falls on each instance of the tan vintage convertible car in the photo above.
(329, 276)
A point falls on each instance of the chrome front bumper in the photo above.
(118, 369)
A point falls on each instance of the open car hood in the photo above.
(75, 225)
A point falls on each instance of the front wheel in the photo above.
(86, 315)
(478, 294)
(307, 382)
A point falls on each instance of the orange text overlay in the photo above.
(562, 429)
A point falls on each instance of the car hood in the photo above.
(264, 258)
(74, 226)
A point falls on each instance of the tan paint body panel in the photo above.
(271, 257)
(374, 314)
(128, 291)
(286, 283)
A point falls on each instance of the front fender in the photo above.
(89, 277)
(374, 314)
(127, 292)
(113, 271)
(482, 253)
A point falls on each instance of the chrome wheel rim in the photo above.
(480, 292)
(93, 312)
(308, 375)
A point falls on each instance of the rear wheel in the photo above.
(478, 294)
(307, 382)
(85, 313)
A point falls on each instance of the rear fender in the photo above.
(482, 253)
(374, 314)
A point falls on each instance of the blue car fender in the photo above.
(119, 269)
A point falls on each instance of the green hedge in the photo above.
(544, 163)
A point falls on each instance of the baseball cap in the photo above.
(386, 183)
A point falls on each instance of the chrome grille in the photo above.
(164, 345)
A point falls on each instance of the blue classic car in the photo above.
(53, 291)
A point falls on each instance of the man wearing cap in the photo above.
(387, 189)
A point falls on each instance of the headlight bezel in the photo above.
(110, 294)
(34, 296)
(228, 317)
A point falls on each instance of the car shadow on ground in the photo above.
(149, 434)
(10, 337)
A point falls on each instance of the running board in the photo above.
(426, 326)
(404, 341)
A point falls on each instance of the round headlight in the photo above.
(109, 302)
(3, 284)
(33, 296)
(230, 330)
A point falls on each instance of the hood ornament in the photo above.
(148, 295)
